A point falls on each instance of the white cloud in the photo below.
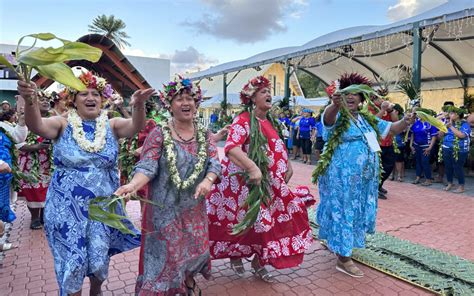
(190, 60)
(246, 21)
(182, 61)
(408, 8)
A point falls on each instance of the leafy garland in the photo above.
(258, 194)
(168, 147)
(127, 156)
(395, 145)
(32, 139)
(17, 174)
(456, 142)
(342, 125)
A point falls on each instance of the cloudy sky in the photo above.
(195, 34)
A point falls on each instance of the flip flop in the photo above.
(263, 274)
(238, 267)
(7, 247)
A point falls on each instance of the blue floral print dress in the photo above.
(82, 247)
(349, 189)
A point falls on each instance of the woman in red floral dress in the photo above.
(281, 233)
(35, 157)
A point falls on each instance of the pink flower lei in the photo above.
(177, 86)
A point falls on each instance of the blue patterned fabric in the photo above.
(6, 213)
(349, 189)
(82, 247)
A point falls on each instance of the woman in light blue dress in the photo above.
(85, 156)
(348, 188)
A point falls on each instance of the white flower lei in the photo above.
(80, 136)
(168, 145)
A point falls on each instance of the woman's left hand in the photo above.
(203, 189)
(427, 151)
(141, 95)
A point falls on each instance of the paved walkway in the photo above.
(423, 215)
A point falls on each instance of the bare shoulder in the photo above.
(56, 125)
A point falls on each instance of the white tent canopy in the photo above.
(215, 102)
(448, 42)
(302, 101)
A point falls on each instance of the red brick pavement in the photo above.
(423, 215)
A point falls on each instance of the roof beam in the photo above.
(444, 53)
(117, 74)
(118, 62)
(357, 61)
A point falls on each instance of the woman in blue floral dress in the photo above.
(349, 187)
(85, 156)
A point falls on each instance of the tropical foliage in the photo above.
(112, 28)
(50, 62)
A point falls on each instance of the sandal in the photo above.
(400, 179)
(349, 268)
(191, 291)
(237, 266)
(263, 274)
(449, 187)
(36, 224)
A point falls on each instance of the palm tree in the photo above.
(110, 27)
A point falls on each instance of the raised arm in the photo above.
(330, 113)
(49, 128)
(402, 124)
(126, 128)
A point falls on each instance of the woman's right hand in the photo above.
(26, 89)
(255, 175)
(336, 100)
(126, 190)
(4, 167)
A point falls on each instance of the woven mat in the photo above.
(431, 269)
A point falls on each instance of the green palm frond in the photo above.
(112, 28)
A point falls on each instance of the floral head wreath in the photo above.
(346, 80)
(177, 86)
(251, 87)
(92, 81)
(51, 96)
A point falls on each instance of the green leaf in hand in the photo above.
(61, 73)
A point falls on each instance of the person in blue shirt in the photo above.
(422, 141)
(305, 133)
(456, 147)
(400, 154)
(294, 128)
(318, 137)
(214, 117)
